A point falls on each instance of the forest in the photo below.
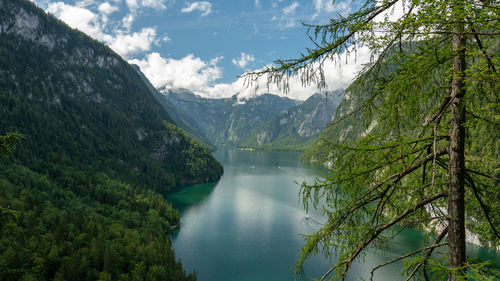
(86, 156)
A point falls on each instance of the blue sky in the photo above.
(205, 45)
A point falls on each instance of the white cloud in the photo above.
(343, 7)
(125, 44)
(288, 18)
(85, 3)
(166, 38)
(244, 59)
(94, 25)
(189, 72)
(290, 10)
(77, 17)
(133, 5)
(156, 4)
(203, 6)
(200, 77)
(107, 8)
(127, 21)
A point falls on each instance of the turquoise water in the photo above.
(247, 226)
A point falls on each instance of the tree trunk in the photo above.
(456, 204)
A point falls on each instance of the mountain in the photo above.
(349, 125)
(265, 121)
(318, 151)
(297, 126)
(181, 118)
(81, 197)
(78, 102)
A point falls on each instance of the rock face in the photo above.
(298, 125)
(181, 118)
(78, 102)
(267, 120)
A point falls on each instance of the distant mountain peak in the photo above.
(260, 120)
(78, 100)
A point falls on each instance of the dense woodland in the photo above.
(83, 226)
(81, 196)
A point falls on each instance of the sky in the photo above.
(204, 46)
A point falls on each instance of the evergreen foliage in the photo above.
(429, 108)
(83, 226)
(81, 197)
(80, 105)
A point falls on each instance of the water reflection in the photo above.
(247, 226)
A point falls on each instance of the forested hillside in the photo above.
(297, 126)
(228, 121)
(79, 104)
(266, 121)
(351, 126)
(80, 197)
(181, 118)
(351, 129)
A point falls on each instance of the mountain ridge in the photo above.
(181, 118)
(82, 196)
(90, 90)
(251, 121)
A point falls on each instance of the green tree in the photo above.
(432, 83)
(8, 142)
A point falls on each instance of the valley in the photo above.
(265, 122)
(122, 160)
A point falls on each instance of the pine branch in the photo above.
(377, 232)
(405, 256)
(483, 50)
(427, 256)
(483, 175)
(483, 207)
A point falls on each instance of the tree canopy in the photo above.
(428, 154)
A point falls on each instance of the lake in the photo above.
(247, 226)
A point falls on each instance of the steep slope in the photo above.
(349, 124)
(297, 126)
(179, 116)
(318, 151)
(229, 121)
(79, 198)
(79, 104)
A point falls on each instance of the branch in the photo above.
(405, 256)
(411, 222)
(395, 179)
(482, 174)
(481, 47)
(427, 256)
(469, 179)
(382, 147)
(377, 232)
(483, 207)
(410, 169)
(482, 118)
(344, 214)
(330, 47)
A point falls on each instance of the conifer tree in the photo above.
(432, 85)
